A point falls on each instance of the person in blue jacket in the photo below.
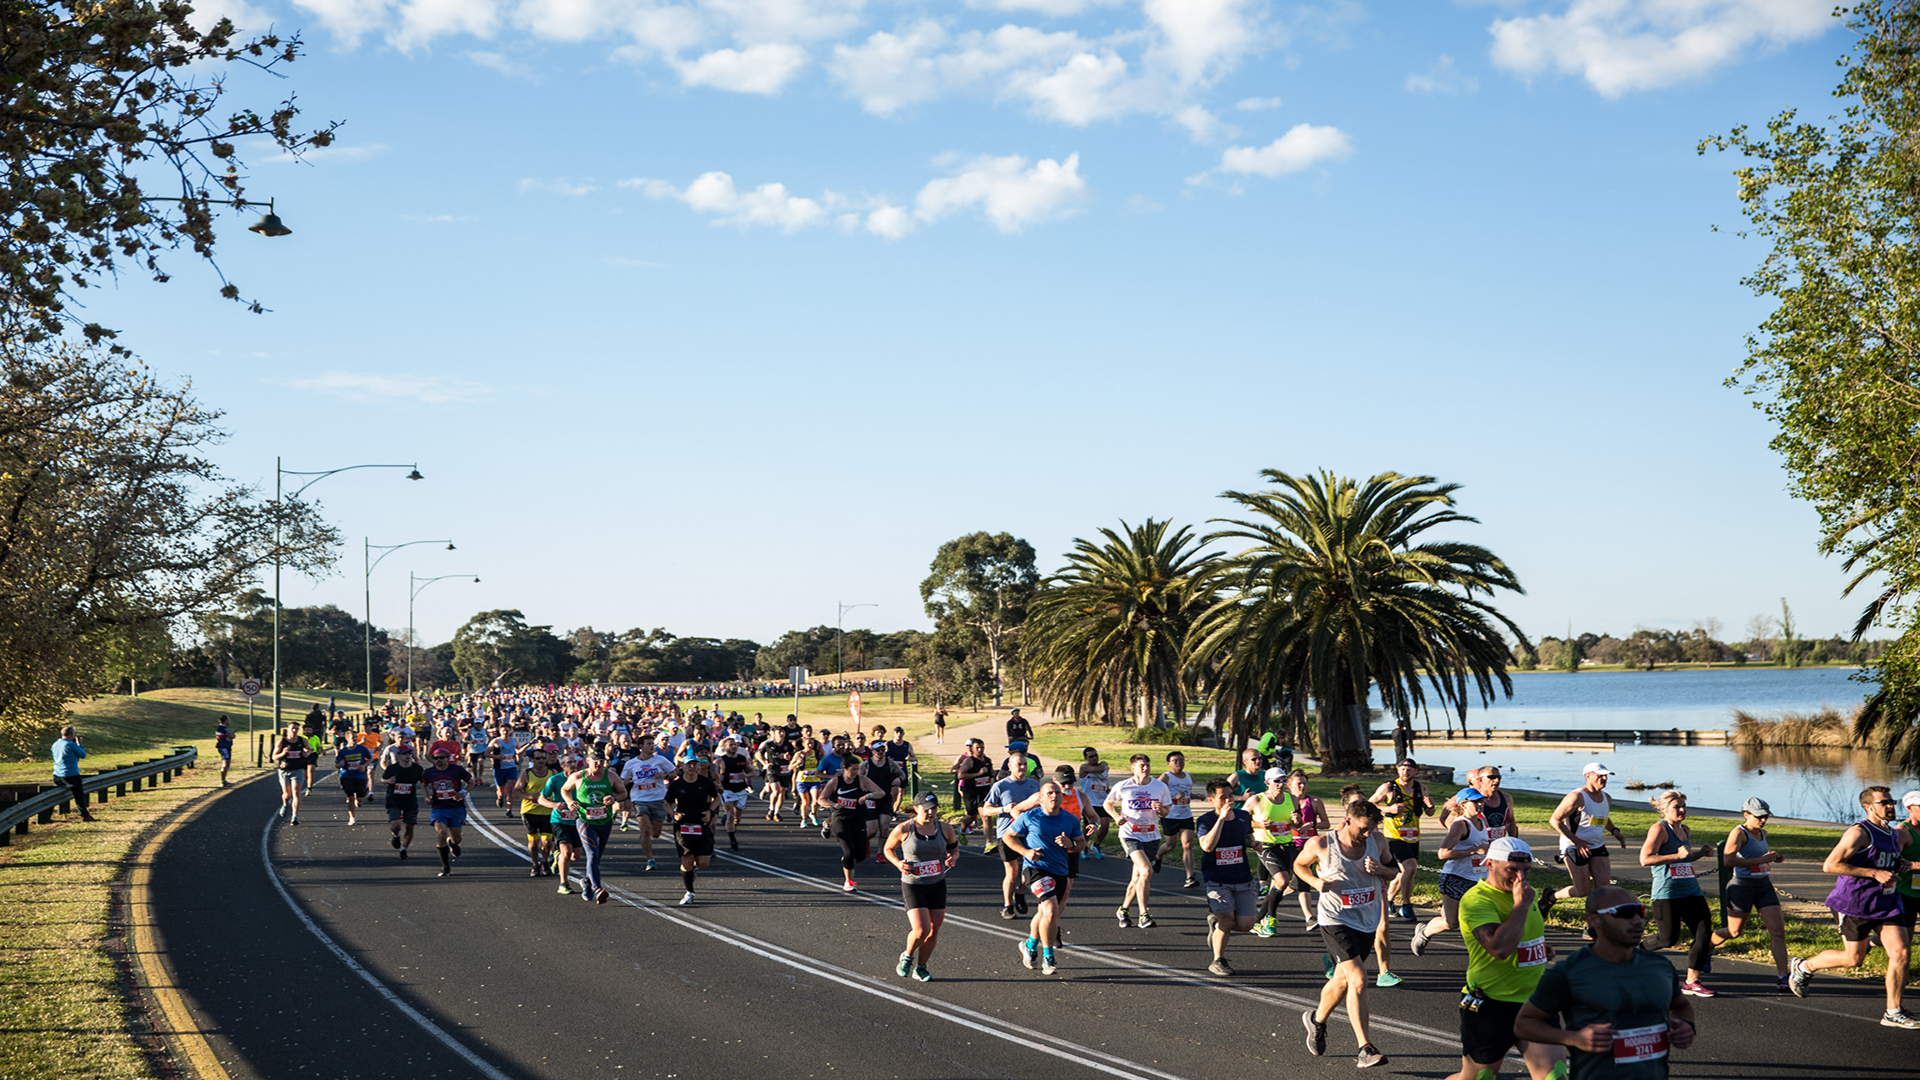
(67, 753)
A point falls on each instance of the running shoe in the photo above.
(1125, 917)
(351, 821)
(904, 966)
(294, 820)
(600, 896)
(1797, 978)
(1264, 928)
(1047, 968)
(921, 973)
(1029, 953)
(564, 889)
(1388, 980)
(1156, 864)
(456, 850)
(1780, 984)
(1008, 912)
(1020, 903)
(826, 832)
(394, 839)
(1326, 964)
(991, 847)
(1316, 1034)
(1146, 921)
(1221, 967)
(1899, 1018)
(283, 811)
(733, 842)
(1420, 939)
(850, 886)
(1545, 903)
(650, 864)
(1696, 989)
(1369, 1057)
(1313, 923)
(687, 899)
(1190, 883)
(403, 853)
(534, 872)
(1095, 853)
(444, 873)
(626, 826)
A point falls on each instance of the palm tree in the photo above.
(1889, 722)
(1106, 632)
(1337, 591)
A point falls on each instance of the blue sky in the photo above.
(708, 315)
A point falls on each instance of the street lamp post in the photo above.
(278, 473)
(367, 549)
(840, 637)
(414, 590)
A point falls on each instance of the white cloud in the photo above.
(1257, 104)
(1057, 9)
(348, 20)
(423, 20)
(890, 71)
(501, 63)
(560, 186)
(428, 389)
(762, 69)
(1442, 77)
(1201, 125)
(1010, 193)
(1623, 45)
(888, 221)
(208, 13)
(1201, 37)
(1303, 146)
(1084, 89)
(768, 205)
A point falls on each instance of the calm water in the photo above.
(1795, 782)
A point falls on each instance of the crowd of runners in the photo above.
(574, 765)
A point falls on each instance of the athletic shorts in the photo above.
(1152, 847)
(1486, 1034)
(353, 785)
(1097, 814)
(700, 843)
(1572, 856)
(538, 823)
(1007, 854)
(1453, 886)
(1856, 929)
(502, 775)
(733, 798)
(784, 779)
(293, 776)
(1343, 942)
(407, 815)
(1232, 897)
(1042, 885)
(1746, 894)
(971, 798)
(1278, 858)
(655, 809)
(566, 832)
(225, 752)
(810, 785)
(931, 895)
(1073, 865)
(453, 817)
(1399, 851)
(1174, 825)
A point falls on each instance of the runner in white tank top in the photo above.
(1346, 867)
(1583, 819)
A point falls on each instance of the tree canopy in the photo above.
(982, 582)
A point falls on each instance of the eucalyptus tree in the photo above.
(1339, 588)
(1107, 633)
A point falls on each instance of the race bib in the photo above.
(1143, 827)
(737, 778)
(846, 804)
(1633, 1045)
(1762, 870)
(595, 813)
(1495, 832)
(1359, 897)
(1409, 834)
(925, 869)
(403, 789)
(1531, 953)
(1042, 886)
(1229, 856)
(1602, 823)
(1680, 870)
(692, 830)
(1183, 799)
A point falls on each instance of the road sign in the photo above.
(250, 687)
(797, 676)
(393, 683)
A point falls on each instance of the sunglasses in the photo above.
(1624, 911)
(1885, 802)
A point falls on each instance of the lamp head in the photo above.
(415, 475)
(269, 223)
(449, 545)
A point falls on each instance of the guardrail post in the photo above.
(46, 816)
(152, 780)
(102, 793)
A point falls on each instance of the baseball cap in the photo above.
(1596, 767)
(1017, 744)
(1467, 794)
(1505, 848)
(1911, 798)
(1274, 776)
(927, 798)
(1408, 762)
(1760, 808)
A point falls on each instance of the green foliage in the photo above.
(657, 656)
(1337, 589)
(1836, 364)
(496, 648)
(1106, 634)
(1177, 735)
(978, 594)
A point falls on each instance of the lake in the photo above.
(1818, 784)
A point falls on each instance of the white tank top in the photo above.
(1474, 866)
(1352, 896)
(1594, 816)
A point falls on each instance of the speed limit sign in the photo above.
(250, 687)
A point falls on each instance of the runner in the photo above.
(1678, 904)
(973, 773)
(691, 797)
(844, 792)
(352, 760)
(1463, 854)
(1001, 799)
(402, 777)
(924, 848)
(1405, 801)
(1496, 806)
(223, 745)
(594, 794)
(1179, 820)
(1137, 803)
(1092, 789)
(736, 771)
(1746, 851)
(1309, 820)
(1620, 1005)
(1867, 864)
(810, 775)
(776, 758)
(1043, 838)
(563, 818)
(940, 726)
(1225, 834)
(293, 757)
(505, 750)
(646, 777)
(446, 786)
(1507, 952)
(537, 819)
(1271, 813)
(1583, 819)
(889, 778)
(1250, 779)
(1345, 867)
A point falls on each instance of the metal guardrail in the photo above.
(21, 814)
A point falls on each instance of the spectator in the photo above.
(67, 753)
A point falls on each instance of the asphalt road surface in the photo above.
(313, 951)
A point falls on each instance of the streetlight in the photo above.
(414, 590)
(268, 225)
(278, 472)
(840, 637)
(367, 548)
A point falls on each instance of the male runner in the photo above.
(563, 818)
(1507, 952)
(1001, 798)
(292, 756)
(973, 774)
(646, 778)
(352, 761)
(735, 769)
(1043, 837)
(1179, 820)
(1867, 865)
(594, 795)
(538, 820)
(402, 777)
(1345, 867)
(223, 745)
(1138, 803)
(691, 796)
(1093, 783)
(1405, 801)
(446, 784)
(1225, 833)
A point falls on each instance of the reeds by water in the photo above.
(1827, 727)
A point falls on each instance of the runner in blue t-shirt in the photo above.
(352, 760)
(1001, 798)
(1043, 837)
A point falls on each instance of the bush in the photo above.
(1173, 736)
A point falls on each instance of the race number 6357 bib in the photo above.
(1357, 897)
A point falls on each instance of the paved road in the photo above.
(775, 972)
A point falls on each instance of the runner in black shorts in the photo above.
(923, 849)
(691, 799)
(843, 794)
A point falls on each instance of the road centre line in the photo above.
(982, 1023)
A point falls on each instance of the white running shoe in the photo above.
(687, 899)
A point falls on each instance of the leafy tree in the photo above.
(138, 652)
(115, 517)
(947, 666)
(1835, 363)
(592, 652)
(1338, 589)
(1106, 632)
(983, 581)
(96, 96)
(498, 647)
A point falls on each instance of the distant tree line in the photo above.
(1768, 641)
